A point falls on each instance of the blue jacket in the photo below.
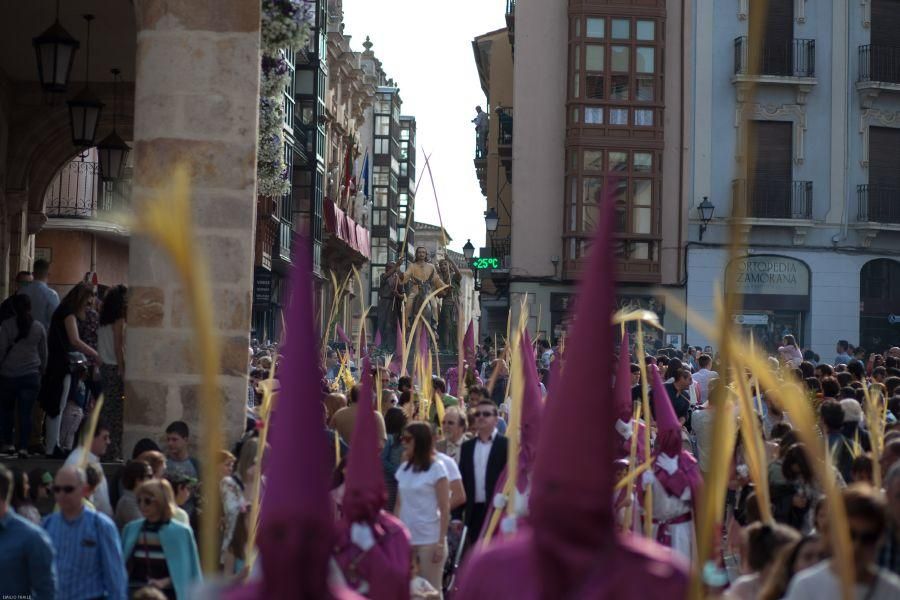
(179, 547)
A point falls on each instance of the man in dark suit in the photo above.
(482, 460)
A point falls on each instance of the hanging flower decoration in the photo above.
(285, 25)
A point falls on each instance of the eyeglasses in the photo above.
(146, 501)
(63, 489)
(487, 414)
(868, 538)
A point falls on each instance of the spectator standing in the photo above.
(392, 453)
(160, 551)
(178, 459)
(23, 278)
(111, 347)
(481, 462)
(231, 491)
(62, 338)
(703, 376)
(423, 501)
(843, 353)
(455, 434)
(43, 299)
(100, 497)
(27, 567)
(344, 420)
(21, 497)
(134, 473)
(88, 554)
(23, 359)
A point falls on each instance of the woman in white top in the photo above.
(423, 501)
(790, 353)
(111, 347)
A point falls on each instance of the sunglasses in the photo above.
(63, 489)
(868, 538)
(145, 501)
(487, 414)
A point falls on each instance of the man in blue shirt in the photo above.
(843, 353)
(26, 556)
(88, 552)
(43, 299)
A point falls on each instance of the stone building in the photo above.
(187, 94)
(803, 151)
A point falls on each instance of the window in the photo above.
(593, 160)
(382, 125)
(620, 58)
(618, 116)
(644, 89)
(593, 116)
(381, 146)
(596, 28)
(380, 176)
(643, 118)
(644, 61)
(621, 29)
(381, 197)
(646, 31)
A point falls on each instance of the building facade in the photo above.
(797, 145)
(598, 96)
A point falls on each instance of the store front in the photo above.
(879, 305)
(775, 294)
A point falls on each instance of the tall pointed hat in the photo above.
(572, 507)
(397, 367)
(532, 406)
(469, 345)
(297, 524)
(624, 405)
(364, 491)
(668, 429)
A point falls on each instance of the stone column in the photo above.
(196, 103)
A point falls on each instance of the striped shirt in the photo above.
(88, 556)
(147, 560)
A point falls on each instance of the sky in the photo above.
(426, 47)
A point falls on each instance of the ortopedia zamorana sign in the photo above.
(768, 275)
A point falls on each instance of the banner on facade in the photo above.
(262, 287)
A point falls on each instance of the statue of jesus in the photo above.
(421, 279)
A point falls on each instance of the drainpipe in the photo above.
(845, 214)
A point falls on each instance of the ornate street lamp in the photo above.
(468, 250)
(55, 51)
(112, 149)
(705, 210)
(491, 220)
(85, 107)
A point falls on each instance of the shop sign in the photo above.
(751, 319)
(262, 287)
(768, 275)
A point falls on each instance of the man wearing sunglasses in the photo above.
(867, 517)
(481, 462)
(88, 553)
(26, 555)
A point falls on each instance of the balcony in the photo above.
(77, 199)
(481, 162)
(505, 139)
(790, 63)
(878, 204)
(773, 199)
(879, 69)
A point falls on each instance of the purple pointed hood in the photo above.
(624, 405)
(297, 523)
(532, 406)
(346, 339)
(364, 491)
(469, 345)
(668, 429)
(396, 365)
(572, 507)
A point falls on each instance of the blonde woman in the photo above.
(159, 551)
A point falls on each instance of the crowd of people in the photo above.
(421, 485)
(57, 358)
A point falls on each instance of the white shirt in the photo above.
(821, 583)
(419, 508)
(450, 465)
(480, 460)
(106, 345)
(703, 377)
(100, 497)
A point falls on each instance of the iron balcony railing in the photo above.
(772, 199)
(794, 58)
(78, 193)
(878, 203)
(879, 63)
